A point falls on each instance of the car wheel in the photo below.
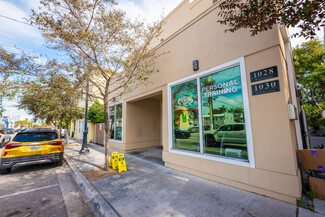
(5, 171)
(60, 162)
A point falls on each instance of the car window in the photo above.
(2, 131)
(238, 127)
(226, 128)
(35, 137)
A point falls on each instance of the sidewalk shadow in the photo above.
(85, 162)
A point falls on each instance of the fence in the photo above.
(99, 135)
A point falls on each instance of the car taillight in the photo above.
(56, 143)
(11, 146)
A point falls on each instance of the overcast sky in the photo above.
(28, 38)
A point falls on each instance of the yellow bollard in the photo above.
(121, 163)
(113, 160)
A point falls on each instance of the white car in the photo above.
(4, 138)
(229, 133)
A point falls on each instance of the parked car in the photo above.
(4, 138)
(181, 134)
(10, 131)
(193, 129)
(228, 133)
(32, 146)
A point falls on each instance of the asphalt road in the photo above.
(40, 190)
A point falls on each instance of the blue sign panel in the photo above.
(263, 74)
(266, 87)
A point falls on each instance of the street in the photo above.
(40, 190)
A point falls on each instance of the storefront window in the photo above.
(186, 135)
(223, 120)
(118, 122)
(115, 122)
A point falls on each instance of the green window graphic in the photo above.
(185, 117)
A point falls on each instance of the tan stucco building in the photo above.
(226, 121)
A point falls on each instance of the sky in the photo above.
(14, 34)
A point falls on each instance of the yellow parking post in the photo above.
(121, 163)
(113, 160)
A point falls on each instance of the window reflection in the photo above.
(118, 122)
(223, 114)
(111, 121)
(115, 122)
(185, 117)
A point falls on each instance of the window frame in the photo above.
(249, 138)
(111, 105)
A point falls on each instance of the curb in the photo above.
(98, 205)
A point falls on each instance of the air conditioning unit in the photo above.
(233, 153)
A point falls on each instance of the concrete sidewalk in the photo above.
(150, 189)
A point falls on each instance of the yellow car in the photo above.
(32, 146)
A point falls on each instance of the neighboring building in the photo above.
(77, 128)
(231, 120)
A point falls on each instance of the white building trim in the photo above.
(250, 148)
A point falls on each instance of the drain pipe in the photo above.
(292, 83)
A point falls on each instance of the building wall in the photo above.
(91, 132)
(143, 125)
(192, 33)
(79, 135)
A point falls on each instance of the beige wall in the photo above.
(141, 124)
(203, 39)
(144, 124)
(193, 33)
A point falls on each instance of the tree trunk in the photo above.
(60, 128)
(106, 136)
(67, 134)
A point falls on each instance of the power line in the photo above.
(22, 50)
(7, 45)
(15, 20)
(22, 23)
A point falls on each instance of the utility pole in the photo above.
(84, 147)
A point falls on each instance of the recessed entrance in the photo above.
(143, 136)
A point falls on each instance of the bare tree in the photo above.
(113, 51)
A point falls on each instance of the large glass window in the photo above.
(208, 116)
(186, 133)
(115, 122)
(118, 122)
(223, 121)
(112, 122)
